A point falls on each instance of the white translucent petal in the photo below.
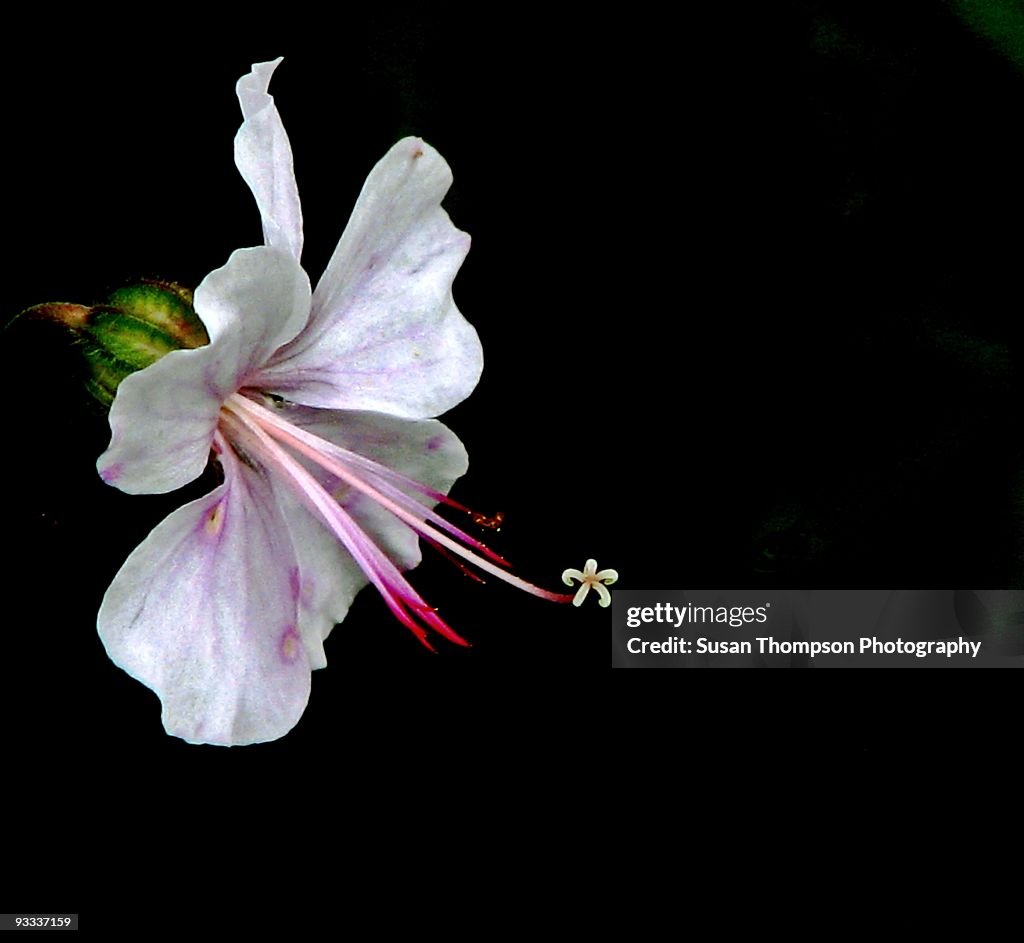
(254, 304)
(263, 156)
(384, 333)
(204, 613)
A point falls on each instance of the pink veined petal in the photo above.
(384, 333)
(204, 613)
(427, 451)
(163, 418)
(263, 156)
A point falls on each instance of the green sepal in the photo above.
(137, 326)
(126, 338)
(164, 305)
(105, 374)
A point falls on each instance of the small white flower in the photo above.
(591, 578)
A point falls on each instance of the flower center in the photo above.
(269, 438)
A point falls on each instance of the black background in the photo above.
(749, 297)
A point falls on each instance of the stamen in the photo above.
(386, 480)
(398, 594)
(492, 523)
(451, 558)
(317, 450)
(414, 507)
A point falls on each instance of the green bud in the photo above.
(137, 326)
(164, 305)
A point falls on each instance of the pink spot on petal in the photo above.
(294, 583)
(290, 645)
(435, 443)
(111, 473)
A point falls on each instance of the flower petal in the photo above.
(162, 423)
(163, 418)
(203, 613)
(325, 579)
(425, 450)
(384, 333)
(329, 578)
(263, 156)
(260, 297)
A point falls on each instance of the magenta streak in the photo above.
(395, 589)
(296, 438)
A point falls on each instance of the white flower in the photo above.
(317, 406)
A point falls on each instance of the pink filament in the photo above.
(262, 432)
